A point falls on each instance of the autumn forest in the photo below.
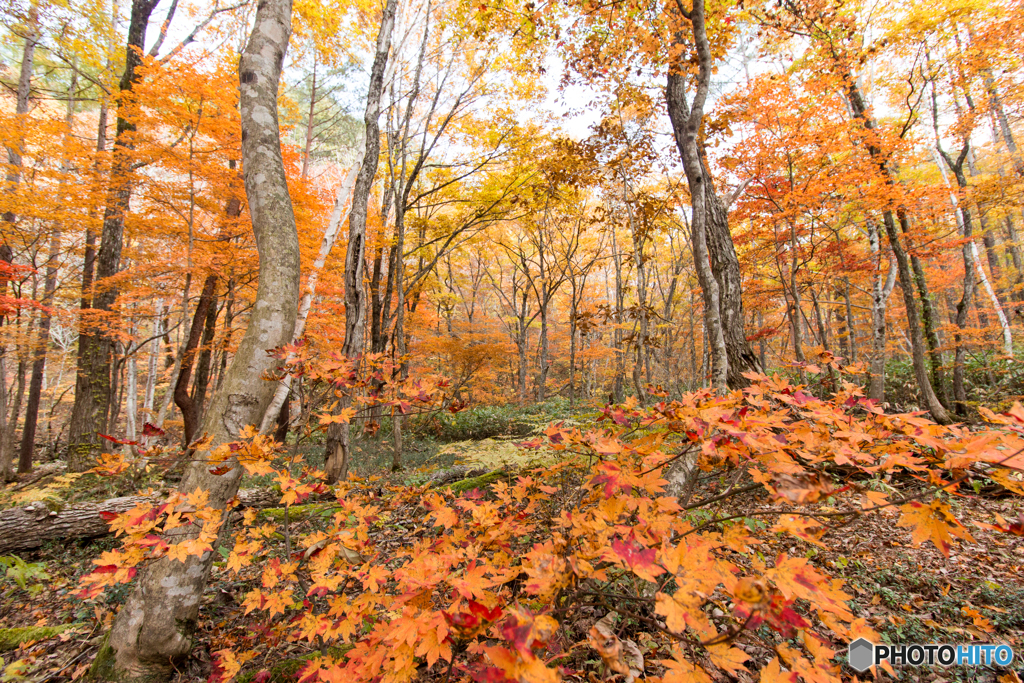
(510, 340)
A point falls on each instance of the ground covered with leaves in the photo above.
(747, 537)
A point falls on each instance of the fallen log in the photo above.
(28, 527)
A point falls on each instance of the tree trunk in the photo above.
(182, 399)
(341, 203)
(35, 389)
(719, 277)
(205, 364)
(931, 401)
(96, 348)
(726, 268)
(338, 447)
(154, 628)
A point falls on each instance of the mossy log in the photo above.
(480, 482)
(28, 527)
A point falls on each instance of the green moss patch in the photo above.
(483, 481)
(12, 638)
(287, 671)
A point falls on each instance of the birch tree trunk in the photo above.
(154, 628)
(963, 217)
(880, 291)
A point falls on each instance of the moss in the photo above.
(295, 512)
(287, 671)
(11, 638)
(102, 668)
(483, 481)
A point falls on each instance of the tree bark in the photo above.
(154, 628)
(719, 277)
(182, 398)
(205, 365)
(880, 291)
(30, 526)
(338, 447)
(96, 347)
(931, 401)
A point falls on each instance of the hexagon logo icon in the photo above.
(861, 654)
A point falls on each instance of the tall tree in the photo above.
(338, 445)
(154, 628)
(15, 155)
(714, 254)
(96, 347)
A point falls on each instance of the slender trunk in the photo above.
(15, 415)
(151, 370)
(182, 399)
(796, 309)
(338, 447)
(131, 396)
(880, 291)
(399, 343)
(341, 203)
(849, 326)
(204, 366)
(14, 160)
(96, 348)
(929, 320)
(928, 395)
(620, 353)
(35, 390)
(154, 629)
(309, 121)
(964, 218)
(931, 401)
(542, 346)
(819, 321)
(24, 91)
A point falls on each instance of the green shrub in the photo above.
(487, 422)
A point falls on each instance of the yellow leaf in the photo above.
(933, 523)
(773, 673)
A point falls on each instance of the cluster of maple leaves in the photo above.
(505, 585)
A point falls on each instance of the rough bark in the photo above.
(713, 251)
(154, 628)
(929, 320)
(338, 448)
(726, 267)
(96, 347)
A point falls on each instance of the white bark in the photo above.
(979, 265)
(342, 203)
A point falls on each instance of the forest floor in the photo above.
(907, 594)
